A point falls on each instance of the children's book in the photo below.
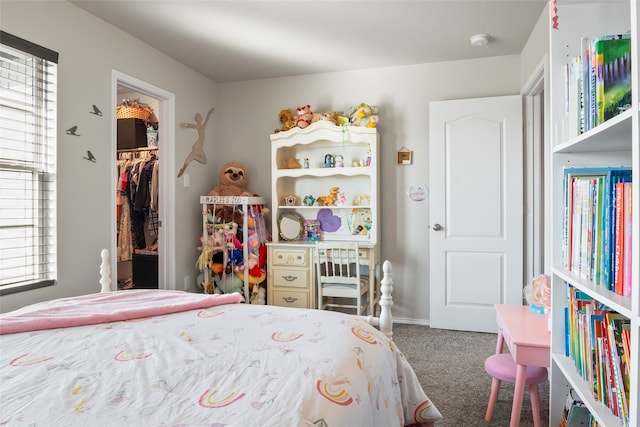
(627, 218)
(613, 75)
(588, 223)
(618, 267)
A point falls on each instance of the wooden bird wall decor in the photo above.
(197, 151)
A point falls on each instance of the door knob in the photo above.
(437, 227)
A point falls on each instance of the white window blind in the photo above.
(28, 82)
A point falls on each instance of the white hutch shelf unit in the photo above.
(357, 180)
(614, 143)
(355, 216)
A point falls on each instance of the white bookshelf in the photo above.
(613, 143)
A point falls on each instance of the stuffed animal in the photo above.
(316, 117)
(291, 163)
(258, 295)
(304, 117)
(232, 179)
(363, 115)
(286, 119)
(229, 284)
(538, 294)
(330, 199)
(331, 116)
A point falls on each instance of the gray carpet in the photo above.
(450, 367)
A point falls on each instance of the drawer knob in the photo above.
(289, 278)
(290, 299)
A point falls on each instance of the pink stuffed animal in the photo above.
(304, 117)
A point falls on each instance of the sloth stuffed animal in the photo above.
(232, 181)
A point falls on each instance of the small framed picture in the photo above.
(404, 156)
(312, 230)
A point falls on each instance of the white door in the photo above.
(476, 210)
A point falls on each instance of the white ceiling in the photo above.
(236, 40)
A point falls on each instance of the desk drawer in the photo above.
(291, 278)
(292, 257)
(290, 299)
(363, 254)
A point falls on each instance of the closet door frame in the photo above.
(166, 202)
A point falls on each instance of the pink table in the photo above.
(527, 336)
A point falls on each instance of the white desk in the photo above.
(291, 278)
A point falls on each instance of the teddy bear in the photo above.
(286, 119)
(232, 180)
(304, 117)
(363, 115)
(291, 163)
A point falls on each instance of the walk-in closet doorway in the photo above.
(164, 108)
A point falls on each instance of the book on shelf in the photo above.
(589, 225)
(597, 83)
(613, 75)
(620, 371)
(628, 220)
(619, 239)
(596, 335)
(598, 345)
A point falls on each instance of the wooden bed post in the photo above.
(385, 321)
(386, 301)
(105, 272)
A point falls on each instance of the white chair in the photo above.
(340, 283)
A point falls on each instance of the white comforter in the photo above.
(226, 365)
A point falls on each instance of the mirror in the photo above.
(290, 226)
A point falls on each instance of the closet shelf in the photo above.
(133, 150)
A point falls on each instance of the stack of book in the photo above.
(597, 339)
(596, 228)
(597, 83)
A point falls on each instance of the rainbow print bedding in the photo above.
(170, 358)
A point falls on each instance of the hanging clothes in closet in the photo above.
(137, 202)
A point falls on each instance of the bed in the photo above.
(173, 358)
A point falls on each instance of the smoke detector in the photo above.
(479, 39)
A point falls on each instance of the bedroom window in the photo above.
(28, 92)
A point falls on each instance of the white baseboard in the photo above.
(411, 321)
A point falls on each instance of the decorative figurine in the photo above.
(339, 161)
(306, 163)
(328, 161)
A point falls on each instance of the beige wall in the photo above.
(403, 95)
(89, 50)
(246, 113)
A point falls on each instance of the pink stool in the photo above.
(502, 368)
